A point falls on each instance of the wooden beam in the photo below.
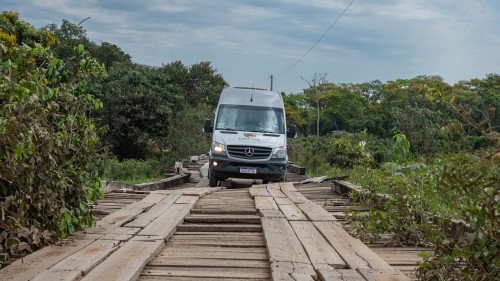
(127, 262)
(321, 254)
(354, 252)
(282, 243)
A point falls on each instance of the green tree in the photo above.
(48, 144)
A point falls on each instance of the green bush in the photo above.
(133, 171)
(48, 146)
(472, 252)
(339, 149)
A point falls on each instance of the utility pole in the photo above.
(271, 81)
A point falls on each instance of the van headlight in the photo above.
(218, 148)
(279, 152)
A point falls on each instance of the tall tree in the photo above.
(315, 92)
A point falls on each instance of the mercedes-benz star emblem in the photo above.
(249, 152)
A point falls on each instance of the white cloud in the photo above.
(248, 40)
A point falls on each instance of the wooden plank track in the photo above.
(276, 231)
(220, 240)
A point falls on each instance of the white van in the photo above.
(249, 136)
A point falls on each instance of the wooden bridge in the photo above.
(278, 231)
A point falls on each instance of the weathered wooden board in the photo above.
(302, 277)
(227, 210)
(269, 213)
(292, 212)
(315, 213)
(321, 254)
(296, 197)
(263, 202)
(127, 262)
(382, 275)
(204, 182)
(255, 219)
(161, 207)
(187, 199)
(204, 170)
(205, 272)
(282, 243)
(58, 276)
(208, 252)
(165, 224)
(258, 190)
(283, 200)
(31, 265)
(221, 227)
(208, 262)
(82, 261)
(352, 250)
(287, 186)
(339, 275)
(285, 270)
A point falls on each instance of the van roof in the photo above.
(251, 96)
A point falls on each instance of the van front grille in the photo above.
(249, 152)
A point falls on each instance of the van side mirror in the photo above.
(292, 131)
(207, 126)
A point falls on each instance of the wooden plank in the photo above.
(33, 264)
(161, 207)
(315, 213)
(315, 180)
(282, 243)
(258, 190)
(164, 226)
(208, 252)
(82, 261)
(204, 182)
(125, 231)
(206, 272)
(296, 197)
(116, 237)
(352, 250)
(127, 262)
(302, 277)
(274, 190)
(283, 200)
(382, 275)
(285, 270)
(287, 186)
(177, 278)
(204, 262)
(317, 248)
(262, 202)
(268, 213)
(339, 275)
(204, 170)
(242, 211)
(54, 275)
(255, 219)
(187, 199)
(292, 212)
(296, 169)
(220, 227)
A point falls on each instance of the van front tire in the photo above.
(212, 180)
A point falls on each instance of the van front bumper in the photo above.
(273, 169)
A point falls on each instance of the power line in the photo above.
(317, 41)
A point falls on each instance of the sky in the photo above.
(247, 41)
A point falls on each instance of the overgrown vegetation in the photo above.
(450, 203)
(49, 144)
(133, 171)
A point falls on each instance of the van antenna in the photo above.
(251, 97)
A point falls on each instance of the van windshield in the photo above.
(250, 118)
